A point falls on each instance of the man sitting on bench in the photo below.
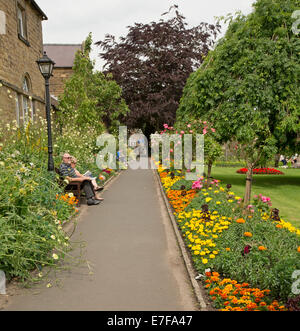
(69, 173)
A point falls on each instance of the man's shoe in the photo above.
(92, 202)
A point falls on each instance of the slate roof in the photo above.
(62, 54)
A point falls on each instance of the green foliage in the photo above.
(33, 207)
(182, 182)
(248, 86)
(30, 215)
(91, 99)
(268, 269)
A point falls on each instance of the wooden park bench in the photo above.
(74, 187)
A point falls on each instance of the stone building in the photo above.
(22, 87)
(63, 55)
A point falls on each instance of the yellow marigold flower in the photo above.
(218, 202)
(208, 199)
(204, 261)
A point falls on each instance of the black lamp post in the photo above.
(46, 67)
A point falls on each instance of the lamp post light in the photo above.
(46, 67)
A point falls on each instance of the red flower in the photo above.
(247, 249)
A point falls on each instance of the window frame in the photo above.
(22, 23)
(25, 105)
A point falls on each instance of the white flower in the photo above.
(53, 237)
(55, 256)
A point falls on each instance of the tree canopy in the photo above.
(91, 98)
(152, 64)
(248, 86)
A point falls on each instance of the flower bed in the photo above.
(261, 171)
(241, 246)
(33, 207)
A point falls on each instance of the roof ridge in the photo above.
(56, 44)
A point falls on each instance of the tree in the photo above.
(152, 63)
(249, 85)
(90, 98)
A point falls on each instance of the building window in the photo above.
(22, 26)
(25, 106)
(2, 22)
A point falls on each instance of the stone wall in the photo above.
(18, 58)
(57, 82)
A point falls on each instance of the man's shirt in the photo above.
(66, 170)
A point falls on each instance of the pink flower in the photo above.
(204, 131)
(204, 122)
(213, 130)
(182, 132)
(166, 126)
(189, 125)
(191, 131)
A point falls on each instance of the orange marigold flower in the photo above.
(252, 305)
(227, 249)
(240, 221)
(247, 234)
(262, 248)
(298, 249)
(279, 226)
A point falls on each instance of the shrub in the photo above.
(33, 207)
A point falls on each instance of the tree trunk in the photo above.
(277, 158)
(249, 177)
(209, 167)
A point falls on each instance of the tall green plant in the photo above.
(249, 85)
(90, 98)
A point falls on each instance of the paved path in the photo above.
(130, 244)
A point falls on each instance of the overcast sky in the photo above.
(70, 21)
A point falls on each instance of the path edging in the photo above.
(186, 258)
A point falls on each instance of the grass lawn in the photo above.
(284, 190)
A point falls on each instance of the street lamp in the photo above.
(46, 67)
